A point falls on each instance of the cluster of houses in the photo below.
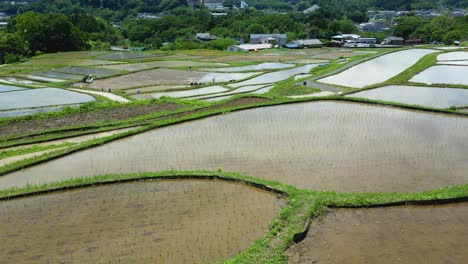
(4, 20)
(215, 5)
(425, 13)
(268, 41)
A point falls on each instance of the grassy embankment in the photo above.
(293, 218)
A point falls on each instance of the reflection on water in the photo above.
(443, 74)
(324, 145)
(377, 70)
(415, 95)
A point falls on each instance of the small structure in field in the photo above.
(413, 41)
(249, 47)
(205, 37)
(308, 43)
(394, 41)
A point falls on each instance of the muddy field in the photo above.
(424, 234)
(104, 115)
(147, 78)
(325, 146)
(143, 222)
(167, 64)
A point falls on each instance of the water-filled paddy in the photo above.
(278, 76)
(258, 67)
(8, 88)
(32, 111)
(453, 56)
(154, 64)
(193, 92)
(424, 234)
(443, 74)
(125, 56)
(244, 89)
(377, 70)
(41, 98)
(323, 145)
(86, 71)
(58, 75)
(143, 222)
(14, 80)
(462, 63)
(226, 77)
(415, 95)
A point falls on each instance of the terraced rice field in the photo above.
(258, 67)
(324, 146)
(192, 92)
(148, 221)
(377, 70)
(407, 234)
(125, 56)
(415, 95)
(164, 64)
(443, 74)
(461, 63)
(43, 97)
(57, 75)
(67, 62)
(453, 56)
(81, 71)
(274, 77)
(8, 88)
(164, 77)
(15, 80)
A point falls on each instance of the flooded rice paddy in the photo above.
(41, 98)
(409, 234)
(453, 56)
(461, 63)
(193, 92)
(15, 80)
(86, 71)
(258, 67)
(58, 75)
(125, 56)
(323, 145)
(443, 74)
(415, 95)
(32, 111)
(244, 89)
(377, 70)
(226, 77)
(185, 221)
(154, 64)
(278, 76)
(8, 88)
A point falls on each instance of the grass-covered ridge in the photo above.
(292, 220)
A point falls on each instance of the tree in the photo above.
(406, 26)
(451, 36)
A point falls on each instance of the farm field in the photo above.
(157, 221)
(361, 156)
(443, 74)
(377, 70)
(204, 156)
(415, 95)
(407, 234)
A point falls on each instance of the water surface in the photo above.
(9, 88)
(259, 67)
(409, 234)
(443, 74)
(278, 76)
(377, 70)
(453, 56)
(416, 95)
(318, 145)
(41, 98)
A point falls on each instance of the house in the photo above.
(278, 39)
(374, 26)
(413, 42)
(367, 40)
(346, 38)
(393, 41)
(214, 4)
(248, 47)
(308, 43)
(205, 37)
(3, 24)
